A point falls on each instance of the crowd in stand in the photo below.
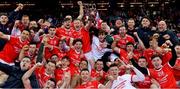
(86, 52)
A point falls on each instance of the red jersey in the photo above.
(148, 53)
(137, 54)
(176, 70)
(59, 73)
(89, 85)
(21, 26)
(164, 76)
(32, 57)
(74, 57)
(123, 70)
(55, 50)
(62, 32)
(124, 56)
(29, 55)
(144, 84)
(52, 41)
(96, 74)
(42, 76)
(123, 41)
(84, 35)
(166, 57)
(12, 49)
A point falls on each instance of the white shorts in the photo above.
(2, 61)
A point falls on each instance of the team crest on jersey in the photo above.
(160, 73)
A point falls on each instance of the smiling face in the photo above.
(78, 46)
(131, 23)
(77, 24)
(130, 48)
(99, 65)
(25, 20)
(67, 24)
(142, 62)
(101, 37)
(65, 62)
(162, 26)
(145, 22)
(104, 26)
(33, 24)
(83, 65)
(50, 67)
(54, 58)
(122, 31)
(85, 76)
(24, 35)
(32, 48)
(52, 31)
(157, 62)
(118, 23)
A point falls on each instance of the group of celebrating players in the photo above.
(87, 53)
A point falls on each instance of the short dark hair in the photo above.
(84, 60)
(66, 19)
(99, 60)
(129, 43)
(77, 40)
(142, 57)
(65, 57)
(113, 65)
(102, 32)
(25, 16)
(145, 17)
(154, 56)
(130, 19)
(177, 44)
(27, 30)
(52, 26)
(51, 62)
(85, 69)
(32, 43)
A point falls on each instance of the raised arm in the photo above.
(139, 76)
(142, 69)
(81, 10)
(15, 14)
(113, 46)
(139, 40)
(26, 76)
(23, 50)
(88, 24)
(36, 38)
